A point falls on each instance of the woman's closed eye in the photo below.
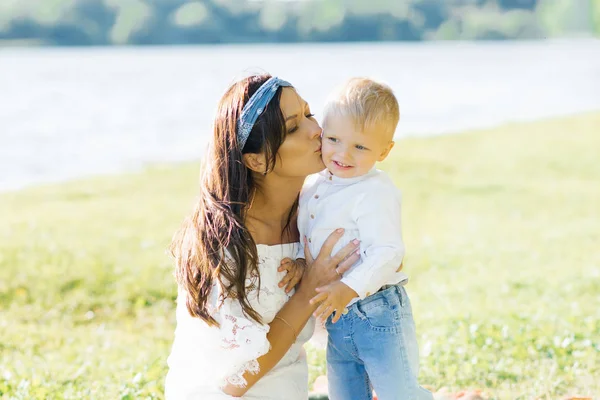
(361, 147)
(295, 128)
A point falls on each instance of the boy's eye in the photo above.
(332, 139)
(358, 146)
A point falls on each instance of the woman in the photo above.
(239, 334)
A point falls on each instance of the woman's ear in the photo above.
(386, 151)
(255, 162)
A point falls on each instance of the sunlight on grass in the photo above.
(501, 228)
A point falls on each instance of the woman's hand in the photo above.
(326, 268)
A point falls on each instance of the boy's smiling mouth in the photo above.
(341, 165)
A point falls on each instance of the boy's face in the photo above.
(349, 152)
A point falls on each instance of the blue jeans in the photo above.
(374, 346)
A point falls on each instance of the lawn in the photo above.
(502, 228)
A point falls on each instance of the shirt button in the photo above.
(330, 178)
(316, 196)
(345, 311)
(312, 216)
(309, 241)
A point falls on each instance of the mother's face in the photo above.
(300, 153)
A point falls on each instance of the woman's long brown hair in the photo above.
(214, 244)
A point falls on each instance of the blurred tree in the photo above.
(93, 22)
(273, 16)
(24, 29)
(434, 12)
(320, 16)
(49, 12)
(94, 18)
(132, 15)
(512, 4)
(448, 30)
(55, 22)
(565, 17)
(398, 9)
(483, 23)
(595, 15)
(190, 14)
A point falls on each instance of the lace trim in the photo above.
(237, 379)
(248, 338)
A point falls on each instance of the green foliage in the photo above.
(76, 22)
(502, 238)
(595, 15)
(132, 15)
(490, 23)
(190, 14)
(320, 16)
(564, 17)
(273, 16)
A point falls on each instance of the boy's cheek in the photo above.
(325, 152)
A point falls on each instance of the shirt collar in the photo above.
(335, 180)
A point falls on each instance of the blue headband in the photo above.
(255, 106)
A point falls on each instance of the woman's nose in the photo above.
(315, 130)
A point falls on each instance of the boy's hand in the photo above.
(333, 297)
(295, 270)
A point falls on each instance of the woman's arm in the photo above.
(297, 311)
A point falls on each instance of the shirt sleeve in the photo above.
(243, 341)
(305, 195)
(300, 253)
(302, 231)
(378, 217)
(211, 357)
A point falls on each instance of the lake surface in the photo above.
(71, 112)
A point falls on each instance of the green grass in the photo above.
(503, 239)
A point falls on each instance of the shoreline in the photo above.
(143, 166)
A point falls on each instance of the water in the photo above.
(70, 112)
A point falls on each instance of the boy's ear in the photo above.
(255, 162)
(386, 151)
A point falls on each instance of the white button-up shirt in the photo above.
(368, 207)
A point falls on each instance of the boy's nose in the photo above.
(344, 152)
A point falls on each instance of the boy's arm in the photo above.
(378, 216)
(300, 252)
(295, 270)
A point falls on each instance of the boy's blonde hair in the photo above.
(367, 102)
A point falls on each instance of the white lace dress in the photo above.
(204, 358)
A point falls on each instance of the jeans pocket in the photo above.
(405, 306)
(381, 315)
